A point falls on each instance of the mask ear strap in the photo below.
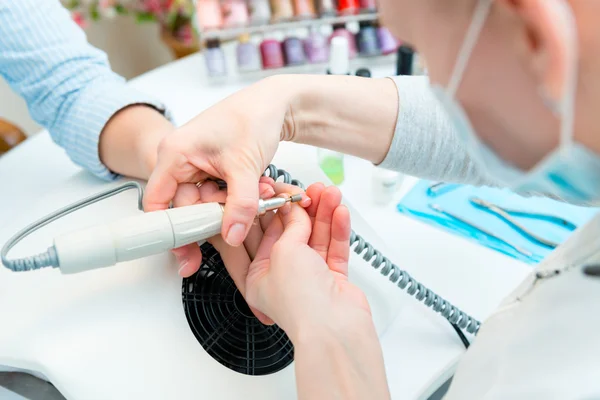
(479, 17)
(567, 106)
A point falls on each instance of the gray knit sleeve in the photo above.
(425, 144)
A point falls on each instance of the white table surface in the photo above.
(420, 348)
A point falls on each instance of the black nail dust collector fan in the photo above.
(224, 325)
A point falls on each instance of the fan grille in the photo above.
(224, 325)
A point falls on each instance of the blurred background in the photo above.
(236, 37)
(129, 31)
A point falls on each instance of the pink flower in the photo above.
(79, 19)
(153, 6)
(186, 34)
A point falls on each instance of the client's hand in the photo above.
(299, 277)
(236, 259)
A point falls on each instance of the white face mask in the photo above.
(571, 172)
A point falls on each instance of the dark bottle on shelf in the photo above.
(368, 45)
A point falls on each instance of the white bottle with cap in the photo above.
(386, 184)
(339, 56)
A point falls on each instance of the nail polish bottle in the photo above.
(209, 14)
(293, 50)
(215, 58)
(367, 40)
(339, 56)
(271, 53)
(304, 9)
(327, 8)
(385, 186)
(260, 12)
(282, 10)
(368, 5)
(405, 61)
(387, 42)
(363, 72)
(348, 7)
(247, 54)
(339, 30)
(235, 13)
(316, 47)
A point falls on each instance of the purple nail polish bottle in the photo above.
(293, 50)
(316, 47)
(387, 43)
(247, 54)
(215, 58)
(368, 43)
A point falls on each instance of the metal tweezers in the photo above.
(508, 214)
(518, 249)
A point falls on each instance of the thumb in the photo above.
(296, 223)
(241, 207)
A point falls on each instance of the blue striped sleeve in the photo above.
(68, 84)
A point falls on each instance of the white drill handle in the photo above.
(137, 237)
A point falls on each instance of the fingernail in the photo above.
(235, 236)
(267, 193)
(306, 201)
(182, 264)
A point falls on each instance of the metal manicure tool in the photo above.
(508, 216)
(440, 188)
(519, 249)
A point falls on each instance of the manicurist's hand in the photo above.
(299, 278)
(235, 140)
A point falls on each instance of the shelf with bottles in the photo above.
(227, 19)
(287, 51)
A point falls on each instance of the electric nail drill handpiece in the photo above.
(144, 235)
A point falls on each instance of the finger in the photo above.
(265, 220)
(265, 190)
(236, 261)
(189, 258)
(314, 191)
(339, 248)
(268, 180)
(286, 188)
(253, 239)
(186, 194)
(241, 206)
(296, 224)
(209, 192)
(160, 190)
(171, 170)
(255, 234)
(321, 232)
(270, 237)
(262, 317)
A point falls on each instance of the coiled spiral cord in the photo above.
(459, 319)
